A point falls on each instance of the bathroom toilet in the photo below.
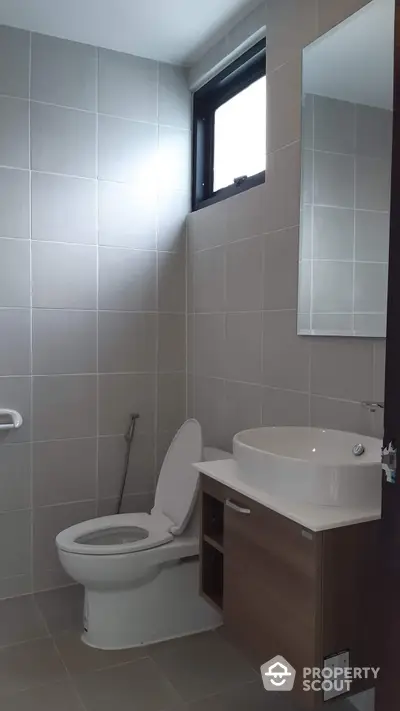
(140, 571)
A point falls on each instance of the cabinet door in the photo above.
(271, 585)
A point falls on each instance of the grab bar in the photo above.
(15, 420)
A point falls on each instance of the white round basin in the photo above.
(311, 465)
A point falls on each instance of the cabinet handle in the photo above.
(238, 509)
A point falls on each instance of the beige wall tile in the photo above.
(15, 586)
(171, 401)
(171, 343)
(15, 529)
(209, 280)
(173, 209)
(342, 368)
(64, 471)
(291, 25)
(208, 227)
(107, 284)
(64, 276)
(51, 579)
(127, 280)
(286, 355)
(15, 329)
(244, 275)
(243, 347)
(127, 86)
(242, 404)
(340, 415)
(175, 99)
(284, 105)
(171, 282)
(122, 395)
(190, 343)
(132, 503)
(64, 406)
(246, 214)
(283, 188)
(127, 342)
(272, 210)
(15, 477)
(284, 408)
(281, 255)
(17, 392)
(64, 342)
(112, 452)
(209, 344)
(209, 410)
(379, 370)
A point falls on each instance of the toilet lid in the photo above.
(178, 481)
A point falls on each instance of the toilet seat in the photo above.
(90, 537)
(174, 502)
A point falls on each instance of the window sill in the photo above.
(231, 190)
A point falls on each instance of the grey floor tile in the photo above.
(79, 658)
(201, 665)
(60, 696)
(23, 666)
(251, 697)
(20, 621)
(62, 609)
(137, 686)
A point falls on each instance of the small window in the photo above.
(229, 132)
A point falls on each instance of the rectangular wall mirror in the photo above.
(347, 109)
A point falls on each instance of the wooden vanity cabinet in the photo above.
(286, 590)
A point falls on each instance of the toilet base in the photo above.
(166, 606)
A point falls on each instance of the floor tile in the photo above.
(137, 686)
(201, 665)
(251, 697)
(79, 658)
(26, 665)
(20, 621)
(62, 609)
(60, 696)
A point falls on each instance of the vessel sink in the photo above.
(310, 465)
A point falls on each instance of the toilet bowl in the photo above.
(140, 571)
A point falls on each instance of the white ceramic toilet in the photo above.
(140, 571)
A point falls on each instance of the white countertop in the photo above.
(315, 518)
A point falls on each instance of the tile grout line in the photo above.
(355, 134)
(58, 654)
(95, 111)
(312, 228)
(97, 278)
(157, 285)
(31, 405)
(69, 676)
(163, 674)
(312, 266)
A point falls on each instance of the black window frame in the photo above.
(240, 74)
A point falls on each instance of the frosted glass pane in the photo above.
(240, 135)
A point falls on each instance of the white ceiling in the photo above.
(354, 62)
(166, 30)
